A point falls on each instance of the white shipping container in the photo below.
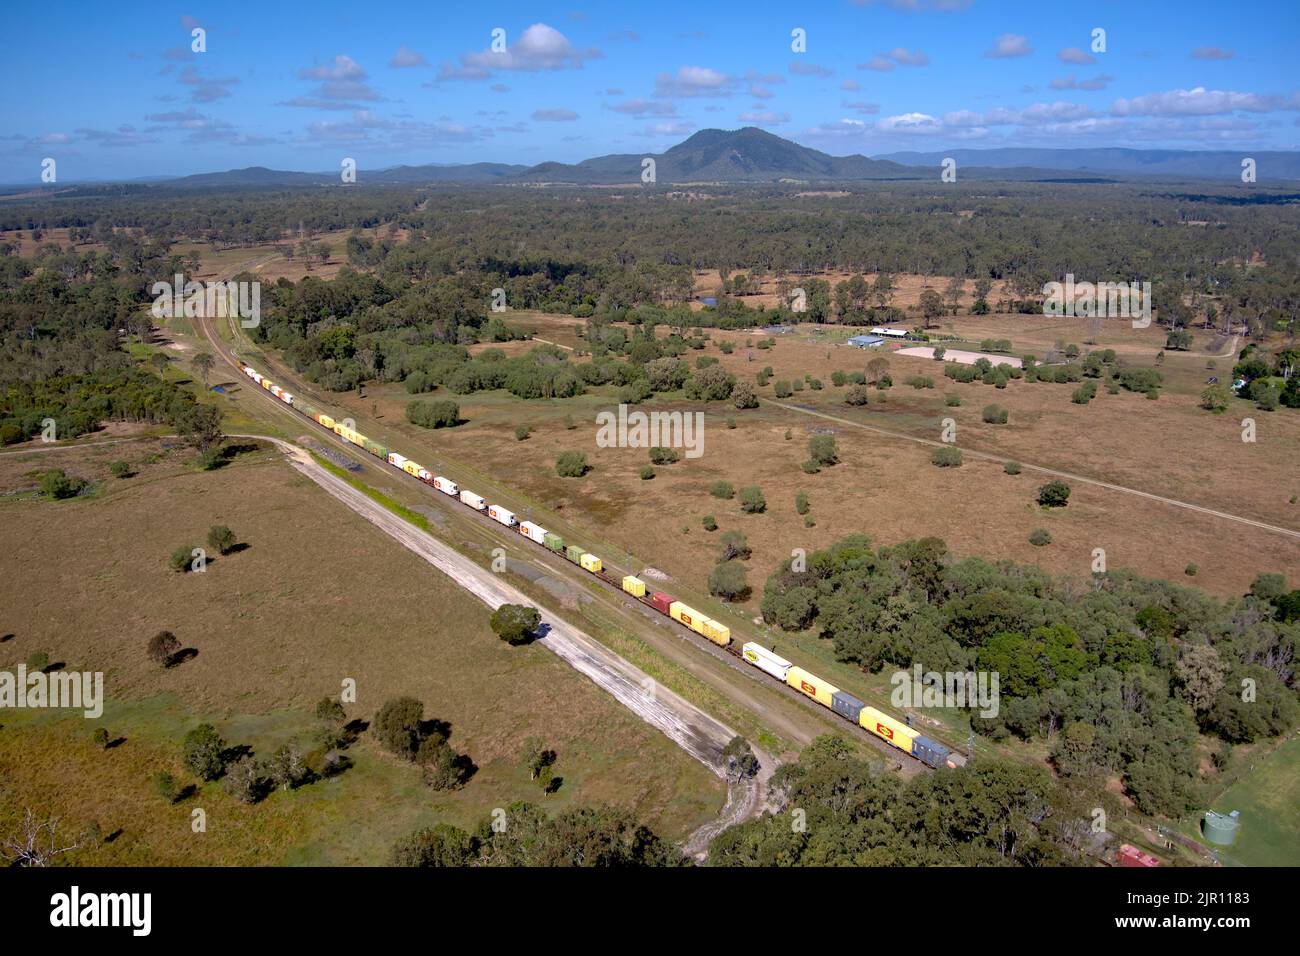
(473, 500)
(507, 518)
(396, 460)
(534, 531)
(765, 660)
(286, 398)
(424, 474)
(445, 485)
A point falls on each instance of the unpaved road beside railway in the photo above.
(690, 728)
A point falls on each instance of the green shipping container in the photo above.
(553, 541)
(305, 408)
(574, 553)
(376, 449)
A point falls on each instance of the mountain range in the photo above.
(752, 155)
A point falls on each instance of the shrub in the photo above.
(995, 415)
(731, 423)
(100, 737)
(204, 752)
(162, 647)
(522, 432)
(663, 456)
(816, 385)
(397, 726)
(1039, 537)
(727, 581)
(167, 787)
(919, 381)
(947, 457)
(734, 545)
(783, 389)
(801, 503)
(221, 539)
(119, 469)
(743, 396)
(647, 472)
(952, 401)
(710, 523)
(441, 414)
(515, 623)
(752, 500)
(38, 661)
(181, 558)
(838, 378)
(1190, 570)
(1011, 467)
(571, 464)
(810, 467)
(57, 485)
(823, 449)
(857, 395)
(1054, 494)
(722, 489)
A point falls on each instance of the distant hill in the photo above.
(713, 155)
(1165, 163)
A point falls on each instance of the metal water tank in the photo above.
(1221, 829)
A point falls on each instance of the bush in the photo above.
(710, 523)
(995, 415)
(810, 467)
(55, 484)
(823, 449)
(1191, 570)
(441, 414)
(181, 558)
(752, 500)
(1054, 494)
(515, 623)
(119, 469)
(952, 401)
(398, 726)
(919, 381)
(38, 661)
(727, 581)
(571, 464)
(801, 505)
(838, 378)
(946, 457)
(221, 539)
(162, 647)
(1039, 537)
(734, 545)
(743, 396)
(204, 752)
(663, 456)
(1011, 467)
(722, 489)
(857, 395)
(783, 389)
(522, 433)
(647, 472)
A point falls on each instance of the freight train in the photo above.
(894, 732)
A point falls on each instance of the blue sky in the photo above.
(114, 90)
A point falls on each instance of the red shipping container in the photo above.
(1132, 856)
(661, 601)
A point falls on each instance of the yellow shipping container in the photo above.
(590, 562)
(892, 731)
(634, 586)
(719, 634)
(267, 383)
(812, 685)
(325, 420)
(682, 614)
(411, 468)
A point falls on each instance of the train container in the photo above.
(473, 500)
(305, 409)
(812, 685)
(276, 390)
(574, 553)
(376, 449)
(1129, 855)
(425, 475)
(394, 459)
(591, 563)
(661, 601)
(533, 532)
(682, 614)
(412, 468)
(553, 541)
(765, 660)
(507, 518)
(286, 398)
(888, 729)
(719, 634)
(446, 485)
(932, 753)
(266, 383)
(634, 586)
(846, 705)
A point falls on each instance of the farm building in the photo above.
(866, 341)
(892, 333)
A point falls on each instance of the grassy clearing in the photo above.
(1268, 798)
(318, 596)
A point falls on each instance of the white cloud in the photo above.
(1072, 54)
(1211, 53)
(406, 57)
(1196, 102)
(1007, 46)
(898, 56)
(694, 81)
(540, 47)
(555, 115)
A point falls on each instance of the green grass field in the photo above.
(1268, 799)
